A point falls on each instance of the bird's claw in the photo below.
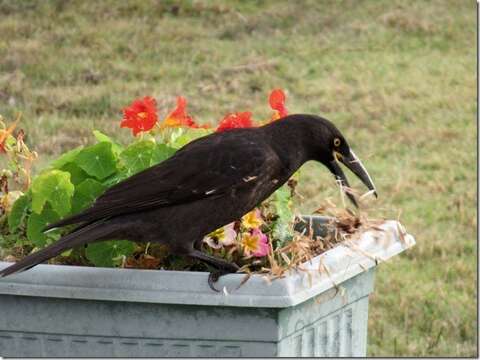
(213, 278)
(215, 275)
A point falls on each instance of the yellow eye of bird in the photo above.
(336, 142)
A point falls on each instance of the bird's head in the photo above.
(331, 148)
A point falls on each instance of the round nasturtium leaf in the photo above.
(19, 211)
(101, 137)
(97, 160)
(161, 153)
(107, 253)
(77, 175)
(54, 187)
(138, 156)
(85, 193)
(189, 136)
(37, 222)
(66, 158)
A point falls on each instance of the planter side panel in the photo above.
(24, 344)
(332, 324)
(48, 327)
(341, 333)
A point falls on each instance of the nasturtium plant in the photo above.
(161, 152)
(37, 222)
(55, 188)
(85, 194)
(98, 160)
(283, 209)
(101, 137)
(73, 181)
(109, 253)
(18, 212)
(77, 175)
(66, 158)
(184, 138)
(138, 156)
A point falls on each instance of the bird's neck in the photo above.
(291, 138)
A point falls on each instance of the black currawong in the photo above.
(208, 183)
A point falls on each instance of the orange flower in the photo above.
(179, 117)
(235, 121)
(277, 103)
(4, 134)
(140, 116)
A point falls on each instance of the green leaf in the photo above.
(188, 136)
(137, 156)
(173, 134)
(77, 175)
(282, 228)
(66, 158)
(37, 222)
(161, 153)
(98, 160)
(10, 141)
(85, 193)
(54, 187)
(67, 253)
(115, 179)
(108, 253)
(18, 212)
(101, 137)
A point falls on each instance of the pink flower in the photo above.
(255, 244)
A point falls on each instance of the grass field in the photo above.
(397, 77)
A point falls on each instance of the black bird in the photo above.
(208, 183)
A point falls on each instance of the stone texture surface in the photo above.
(331, 324)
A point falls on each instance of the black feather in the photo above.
(202, 169)
(82, 236)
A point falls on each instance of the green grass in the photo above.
(397, 77)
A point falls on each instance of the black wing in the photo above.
(209, 167)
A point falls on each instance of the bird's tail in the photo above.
(82, 236)
(74, 219)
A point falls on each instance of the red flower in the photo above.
(235, 121)
(140, 116)
(179, 117)
(277, 102)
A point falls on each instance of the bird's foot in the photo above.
(214, 276)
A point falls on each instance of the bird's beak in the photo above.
(353, 163)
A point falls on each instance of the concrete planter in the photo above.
(68, 311)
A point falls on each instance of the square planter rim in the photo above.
(191, 288)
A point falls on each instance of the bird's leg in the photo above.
(223, 266)
(197, 245)
(214, 261)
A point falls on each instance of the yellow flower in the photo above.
(252, 220)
